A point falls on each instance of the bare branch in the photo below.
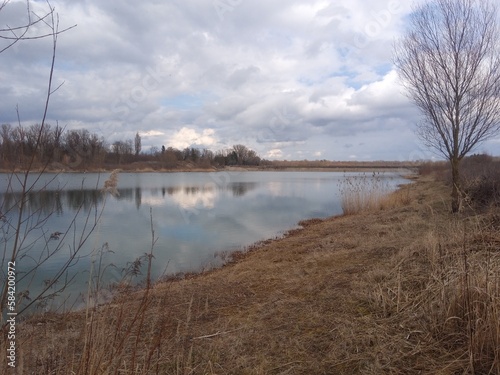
(15, 34)
(26, 221)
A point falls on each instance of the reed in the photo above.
(363, 193)
(445, 290)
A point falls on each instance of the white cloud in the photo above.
(188, 137)
(275, 153)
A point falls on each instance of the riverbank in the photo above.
(291, 166)
(404, 288)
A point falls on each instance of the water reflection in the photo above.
(241, 188)
(138, 197)
(191, 197)
(48, 202)
(52, 202)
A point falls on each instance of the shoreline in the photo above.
(235, 256)
(145, 167)
(406, 170)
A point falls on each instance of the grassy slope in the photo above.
(368, 293)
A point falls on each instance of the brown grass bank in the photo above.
(403, 288)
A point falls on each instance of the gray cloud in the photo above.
(293, 79)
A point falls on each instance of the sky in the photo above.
(290, 79)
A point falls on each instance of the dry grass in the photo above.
(366, 193)
(406, 289)
(361, 194)
(444, 291)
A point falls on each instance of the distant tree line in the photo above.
(81, 149)
(237, 155)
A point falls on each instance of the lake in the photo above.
(196, 217)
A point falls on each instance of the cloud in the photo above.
(274, 153)
(188, 137)
(309, 76)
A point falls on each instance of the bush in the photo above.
(481, 180)
(433, 168)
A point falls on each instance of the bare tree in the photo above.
(449, 63)
(122, 150)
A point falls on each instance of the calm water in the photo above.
(195, 216)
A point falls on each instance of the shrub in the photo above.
(481, 180)
(433, 168)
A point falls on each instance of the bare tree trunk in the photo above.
(456, 187)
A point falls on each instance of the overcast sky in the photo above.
(291, 79)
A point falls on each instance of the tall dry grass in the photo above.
(438, 302)
(444, 291)
(370, 192)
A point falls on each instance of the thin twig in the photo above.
(218, 333)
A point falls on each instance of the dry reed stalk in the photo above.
(111, 184)
(362, 193)
(452, 290)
